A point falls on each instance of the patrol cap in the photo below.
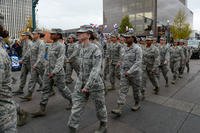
(72, 35)
(162, 38)
(181, 40)
(149, 38)
(37, 31)
(128, 34)
(114, 34)
(143, 39)
(26, 34)
(176, 40)
(85, 29)
(56, 31)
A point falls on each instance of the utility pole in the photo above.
(155, 3)
(34, 4)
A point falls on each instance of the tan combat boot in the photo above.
(27, 97)
(118, 110)
(156, 90)
(136, 106)
(72, 130)
(22, 118)
(102, 128)
(40, 113)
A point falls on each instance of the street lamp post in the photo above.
(34, 3)
(168, 31)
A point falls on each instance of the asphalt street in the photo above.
(175, 110)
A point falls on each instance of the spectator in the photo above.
(17, 48)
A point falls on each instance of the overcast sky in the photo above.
(67, 14)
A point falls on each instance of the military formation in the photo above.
(99, 62)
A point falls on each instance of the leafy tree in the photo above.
(125, 22)
(180, 28)
(28, 27)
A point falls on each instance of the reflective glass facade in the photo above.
(16, 13)
(142, 12)
(1, 19)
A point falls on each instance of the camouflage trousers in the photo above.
(188, 66)
(69, 67)
(59, 82)
(36, 76)
(106, 67)
(144, 81)
(135, 81)
(114, 72)
(8, 118)
(79, 102)
(174, 66)
(182, 68)
(164, 70)
(153, 76)
(24, 73)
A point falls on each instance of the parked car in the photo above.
(195, 46)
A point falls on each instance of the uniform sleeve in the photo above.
(182, 55)
(26, 55)
(40, 57)
(167, 56)
(75, 53)
(138, 62)
(60, 61)
(95, 72)
(157, 58)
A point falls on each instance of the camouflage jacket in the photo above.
(89, 77)
(55, 59)
(186, 53)
(7, 105)
(164, 54)
(151, 57)
(36, 53)
(114, 53)
(26, 46)
(131, 59)
(176, 54)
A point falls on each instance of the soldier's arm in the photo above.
(26, 55)
(138, 62)
(41, 53)
(182, 55)
(95, 72)
(60, 61)
(167, 56)
(75, 52)
(157, 58)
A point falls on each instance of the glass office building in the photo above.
(142, 13)
(1, 19)
(16, 13)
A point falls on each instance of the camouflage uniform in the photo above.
(8, 114)
(164, 59)
(90, 67)
(186, 56)
(114, 55)
(71, 61)
(176, 57)
(107, 60)
(144, 72)
(54, 64)
(151, 62)
(36, 55)
(26, 67)
(131, 63)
